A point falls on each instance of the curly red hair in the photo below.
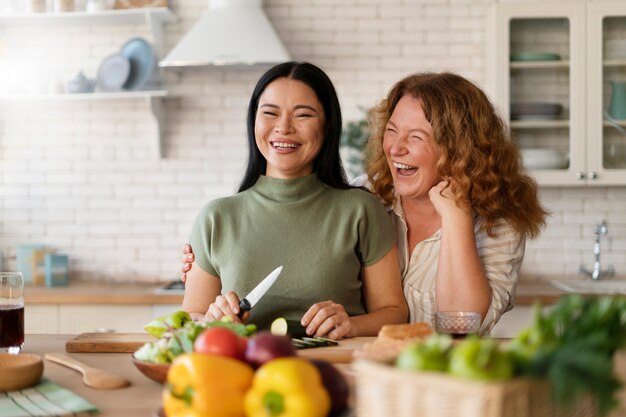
(476, 153)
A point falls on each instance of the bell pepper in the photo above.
(201, 385)
(287, 387)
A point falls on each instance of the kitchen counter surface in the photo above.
(143, 397)
(528, 292)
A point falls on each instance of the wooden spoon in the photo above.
(92, 377)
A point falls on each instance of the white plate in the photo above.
(113, 72)
(539, 158)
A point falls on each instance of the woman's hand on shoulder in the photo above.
(188, 258)
(445, 202)
(226, 305)
(330, 319)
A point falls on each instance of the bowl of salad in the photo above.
(176, 334)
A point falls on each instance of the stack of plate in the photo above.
(130, 69)
(541, 158)
(533, 111)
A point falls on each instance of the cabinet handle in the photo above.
(593, 175)
(580, 175)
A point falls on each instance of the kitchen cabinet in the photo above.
(154, 18)
(554, 67)
(80, 318)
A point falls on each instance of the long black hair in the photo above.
(327, 165)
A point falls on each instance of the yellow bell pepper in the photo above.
(287, 387)
(200, 385)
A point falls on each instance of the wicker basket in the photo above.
(382, 390)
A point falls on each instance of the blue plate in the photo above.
(142, 62)
(113, 73)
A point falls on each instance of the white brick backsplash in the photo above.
(81, 176)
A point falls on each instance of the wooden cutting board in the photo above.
(336, 354)
(130, 342)
(107, 342)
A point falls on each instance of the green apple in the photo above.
(429, 355)
(480, 359)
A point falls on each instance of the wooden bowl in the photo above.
(155, 371)
(19, 371)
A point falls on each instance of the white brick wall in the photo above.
(80, 176)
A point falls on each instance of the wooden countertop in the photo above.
(88, 292)
(143, 397)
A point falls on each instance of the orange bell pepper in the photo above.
(201, 385)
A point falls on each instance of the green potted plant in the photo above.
(353, 140)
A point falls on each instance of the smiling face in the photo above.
(409, 147)
(289, 128)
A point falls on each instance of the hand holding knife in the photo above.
(255, 295)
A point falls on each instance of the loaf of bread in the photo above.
(391, 340)
(404, 331)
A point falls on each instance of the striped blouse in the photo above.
(501, 257)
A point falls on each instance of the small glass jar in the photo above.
(62, 6)
(36, 6)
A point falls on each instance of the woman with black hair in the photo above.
(294, 208)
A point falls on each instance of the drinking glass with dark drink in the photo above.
(11, 312)
(457, 324)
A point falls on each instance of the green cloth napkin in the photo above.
(44, 399)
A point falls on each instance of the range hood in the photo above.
(230, 32)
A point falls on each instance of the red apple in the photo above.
(264, 346)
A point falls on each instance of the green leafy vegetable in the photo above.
(162, 324)
(177, 332)
(573, 346)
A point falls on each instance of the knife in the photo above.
(255, 295)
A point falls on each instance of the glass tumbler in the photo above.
(458, 324)
(11, 312)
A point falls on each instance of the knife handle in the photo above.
(244, 305)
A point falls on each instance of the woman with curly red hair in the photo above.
(441, 159)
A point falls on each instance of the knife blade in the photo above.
(255, 295)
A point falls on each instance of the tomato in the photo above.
(220, 341)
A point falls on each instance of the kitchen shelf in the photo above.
(617, 122)
(539, 64)
(86, 96)
(538, 124)
(614, 62)
(152, 97)
(154, 18)
(161, 14)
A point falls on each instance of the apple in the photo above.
(480, 359)
(264, 346)
(220, 341)
(429, 355)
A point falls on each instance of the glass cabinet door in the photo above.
(607, 92)
(542, 59)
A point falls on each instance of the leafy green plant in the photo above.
(355, 134)
(354, 137)
(573, 345)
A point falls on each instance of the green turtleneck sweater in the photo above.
(322, 236)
